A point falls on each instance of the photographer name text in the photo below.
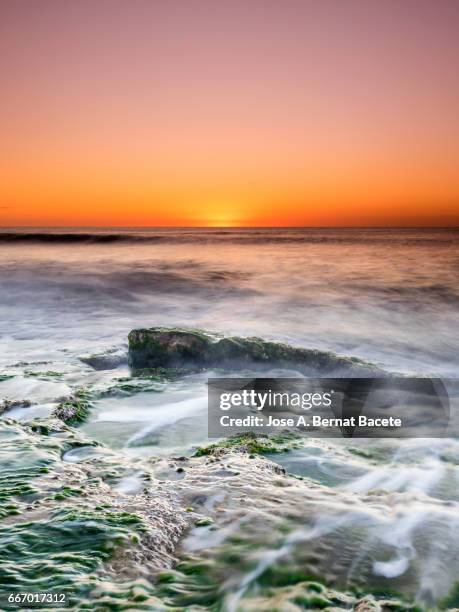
(309, 421)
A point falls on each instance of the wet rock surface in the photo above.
(8, 405)
(183, 348)
(235, 532)
(108, 360)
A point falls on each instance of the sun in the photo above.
(223, 221)
(223, 214)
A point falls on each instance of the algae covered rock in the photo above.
(190, 349)
(8, 405)
(73, 410)
(108, 360)
(169, 348)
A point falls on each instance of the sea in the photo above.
(389, 296)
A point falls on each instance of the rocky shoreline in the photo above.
(223, 528)
(153, 545)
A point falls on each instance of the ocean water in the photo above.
(387, 295)
(390, 296)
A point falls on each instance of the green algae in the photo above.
(452, 599)
(74, 410)
(65, 492)
(191, 583)
(127, 386)
(48, 375)
(234, 570)
(103, 516)
(21, 464)
(361, 452)
(4, 377)
(314, 602)
(280, 575)
(62, 540)
(204, 522)
(159, 374)
(151, 380)
(254, 444)
(46, 555)
(200, 583)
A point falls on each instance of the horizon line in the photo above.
(227, 227)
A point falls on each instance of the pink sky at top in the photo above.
(255, 112)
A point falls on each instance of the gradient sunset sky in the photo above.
(229, 112)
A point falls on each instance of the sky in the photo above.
(229, 112)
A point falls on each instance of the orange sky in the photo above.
(241, 112)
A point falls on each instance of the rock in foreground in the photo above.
(160, 347)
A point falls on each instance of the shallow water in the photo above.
(389, 296)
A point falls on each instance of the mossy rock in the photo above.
(252, 443)
(73, 410)
(160, 347)
(204, 522)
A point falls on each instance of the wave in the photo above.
(70, 237)
(405, 237)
